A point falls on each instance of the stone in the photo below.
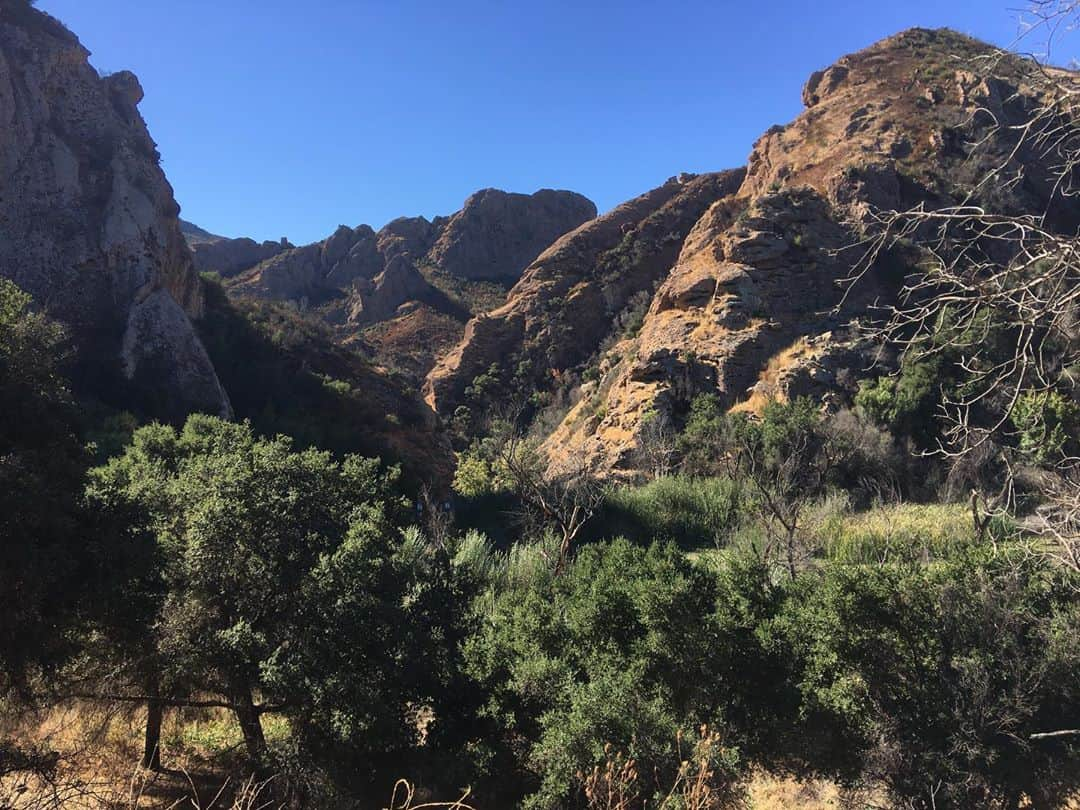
(89, 225)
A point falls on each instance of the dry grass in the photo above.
(96, 749)
(704, 780)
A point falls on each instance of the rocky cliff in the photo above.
(228, 257)
(89, 227)
(748, 302)
(571, 298)
(495, 235)
(88, 223)
(412, 276)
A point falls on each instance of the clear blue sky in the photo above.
(289, 117)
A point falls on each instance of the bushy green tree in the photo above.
(701, 441)
(47, 555)
(627, 648)
(282, 577)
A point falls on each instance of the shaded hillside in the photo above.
(195, 236)
(746, 308)
(290, 376)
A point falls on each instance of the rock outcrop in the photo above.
(88, 223)
(229, 257)
(749, 301)
(570, 299)
(496, 234)
(414, 268)
(493, 237)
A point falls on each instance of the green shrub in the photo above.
(931, 679)
(627, 648)
(1048, 425)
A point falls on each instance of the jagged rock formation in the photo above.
(414, 268)
(228, 257)
(566, 302)
(749, 305)
(495, 235)
(88, 223)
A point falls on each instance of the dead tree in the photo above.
(564, 498)
(983, 273)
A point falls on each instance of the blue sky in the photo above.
(285, 118)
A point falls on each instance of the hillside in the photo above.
(749, 300)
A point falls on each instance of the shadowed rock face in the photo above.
(493, 237)
(230, 257)
(88, 222)
(748, 302)
(496, 234)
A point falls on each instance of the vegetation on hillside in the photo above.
(883, 593)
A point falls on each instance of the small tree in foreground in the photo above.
(282, 586)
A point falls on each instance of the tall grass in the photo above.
(691, 512)
(900, 533)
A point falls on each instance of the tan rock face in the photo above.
(566, 301)
(748, 303)
(88, 222)
(751, 280)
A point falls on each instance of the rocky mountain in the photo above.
(412, 275)
(90, 228)
(749, 268)
(568, 300)
(88, 223)
(194, 235)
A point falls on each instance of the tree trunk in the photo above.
(791, 554)
(248, 717)
(155, 711)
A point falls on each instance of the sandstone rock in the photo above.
(752, 308)
(88, 222)
(358, 278)
(566, 301)
(496, 235)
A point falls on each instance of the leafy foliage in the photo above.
(622, 649)
(48, 552)
(282, 573)
(932, 679)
